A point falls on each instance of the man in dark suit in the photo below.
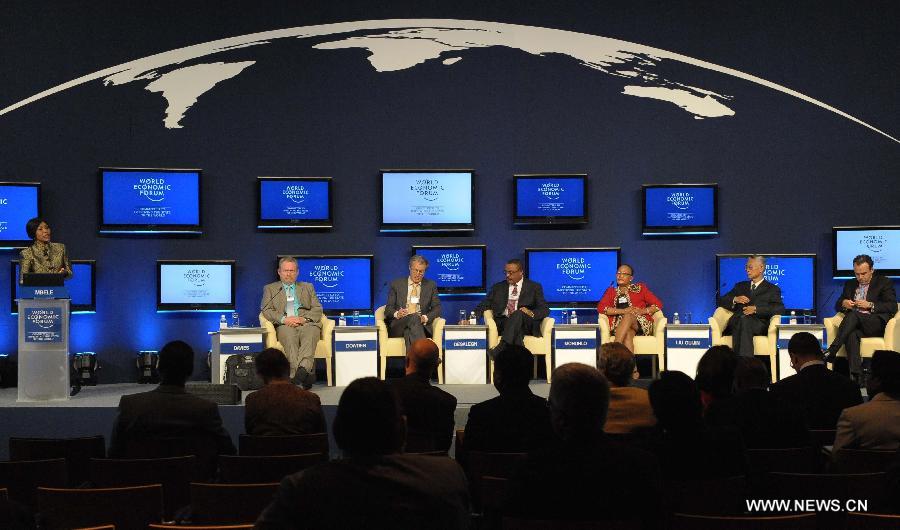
(753, 302)
(168, 419)
(868, 302)
(820, 393)
(412, 304)
(876, 423)
(294, 309)
(518, 305)
(428, 409)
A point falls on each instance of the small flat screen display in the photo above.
(795, 274)
(149, 200)
(457, 269)
(685, 209)
(195, 285)
(576, 276)
(882, 243)
(342, 283)
(19, 202)
(550, 199)
(415, 201)
(288, 203)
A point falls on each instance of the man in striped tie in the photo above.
(518, 305)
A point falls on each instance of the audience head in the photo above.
(676, 401)
(512, 368)
(422, 358)
(616, 362)
(176, 362)
(885, 376)
(715, 372)
(803, 348)
(579, 401)
(271, 364)
(368, 420)
(750, 373)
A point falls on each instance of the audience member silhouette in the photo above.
(374, 485)
(428, 409)
(715, 374)
(516, 421)
(280, 408)
(168, 421)
(585, 476)
(629, 406)
(818, 392)
(876, 424)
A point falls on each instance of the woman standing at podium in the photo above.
(43, 256)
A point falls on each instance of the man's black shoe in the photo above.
(310, 379)
(830, 357)
(301, 379)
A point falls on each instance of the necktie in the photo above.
(752, 287)
(413, 293)
(513, 300)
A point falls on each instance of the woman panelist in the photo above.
(629, 307)
(43, 256)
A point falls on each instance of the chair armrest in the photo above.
(605, 333)
(493, 336)
(271, 337)
(715, 327)
(382, 330)
(438, 327)
(892, 334)
(659, 324)
(547, 328)
(831, 325)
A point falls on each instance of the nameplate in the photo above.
(354, 345)
(576, 344)
(688, 342)
(465, 344)
(227, 348)
(42, 293)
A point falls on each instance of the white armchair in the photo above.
(868, 345)
(396, 346)
(324, 349)
(762, 344)
(653, 344)
(536, 345)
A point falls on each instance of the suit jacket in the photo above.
(820, 393)
(872, 425)
(766, 297)
(881, 292)
(531, 296)
(429, 410)
(283, 409)
(429, 303)
(764, 421)
(516, 421)
(629, 410)
(33, 260)
(274, 303)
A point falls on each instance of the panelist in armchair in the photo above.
(518, 306)
(753, 303)
(629, 306)
(412, 304)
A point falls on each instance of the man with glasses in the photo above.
(867, 303)
(412, 304)
(518, 305)
(753, 302)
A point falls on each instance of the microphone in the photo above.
(272, 298)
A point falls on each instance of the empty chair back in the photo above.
(202, 445)
(229, 503)
(297, 444)
(723, 496)
(76, 451)
(130, 507)
(480, 464)
(22, 478)
(175, 474)
(709, 522)
(862, 460)
(264, 469)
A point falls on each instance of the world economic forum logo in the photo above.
(680, 199)
(4, 226)
(552, 190)
(44, 318)
(875, 243)
(153, 189)
(196, 277)
(296, 193)
(450, 261)
(774, 273)
(574, 268)
(428, 189)
(327, 275)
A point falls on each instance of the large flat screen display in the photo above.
(457, 269)
(795, 274)
(342, 283)
(149, 200)
(550, 199)
(294, 202)
(882, 243)
(572, 276)
(680, 209)
(204, 285)
(19, 202)
(82, 286)
(423, 201)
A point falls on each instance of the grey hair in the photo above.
(757, 257)
(418, 259)
(288, 259)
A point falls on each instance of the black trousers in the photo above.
(743, 328)
(409, 327)
(854, 327)
(512, 329)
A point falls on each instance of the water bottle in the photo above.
(235, 320)
(675, 319)
(355, 320)
(222, 322)
(472, 319)
(573, 318)
(342, 320)
(793, 319)
(462, 317)
(564, 317)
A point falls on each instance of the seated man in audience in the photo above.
(820, 393)
(169, 421)
(629, 407)
(586, 476)
(374, 485)
(428, 409)
(753, 303)
(764, 421)
(715, 375)
(516, 421)
(876, 424)
(518, 306)
(280, 408)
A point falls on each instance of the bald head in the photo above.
(422, 357)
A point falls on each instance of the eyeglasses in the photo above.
(510, 273)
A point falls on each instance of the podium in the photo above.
(43, 344)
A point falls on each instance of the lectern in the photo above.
(43, 343)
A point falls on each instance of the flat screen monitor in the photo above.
(19, 202)
(795, 274)
(550, 199)
(680, 209)
(457, 269)
(161, 201)
(82, 286)
(574, 277)
(201, 285)
(287, 203)
(882, 243)
(343, 283)
(427, 200)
